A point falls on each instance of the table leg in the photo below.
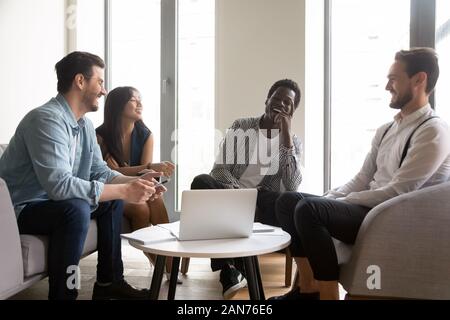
(158, 273)
(173, 278)
(252, 281)
(258, 278)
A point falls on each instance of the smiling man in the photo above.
(259, 152)
(58, 182)
(409, 153)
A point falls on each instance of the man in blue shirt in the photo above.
(58, 182)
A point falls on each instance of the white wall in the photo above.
(257, 43)
(32, 41)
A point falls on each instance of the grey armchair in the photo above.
(23, 259)
(408, 238)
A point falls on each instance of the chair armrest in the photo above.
(408, 238)
(11, 265)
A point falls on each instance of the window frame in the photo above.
(422, 34)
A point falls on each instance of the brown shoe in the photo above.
(120, 290)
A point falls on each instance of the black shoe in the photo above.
(295, 294)
(232, 281)
(119, 290)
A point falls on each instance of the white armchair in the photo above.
(408, 238)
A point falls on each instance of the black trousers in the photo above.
(312, 221)
(265, 213)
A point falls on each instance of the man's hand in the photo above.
(284, 119)
(160, 189)
(139, 191)
(150, 175)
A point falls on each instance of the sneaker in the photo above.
(232, 281)
(120, 290)
(295, 294)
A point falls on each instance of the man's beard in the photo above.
(401, 101)
(89, 102)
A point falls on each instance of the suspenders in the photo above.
(408, 142)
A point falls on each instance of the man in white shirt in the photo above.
(410, 153)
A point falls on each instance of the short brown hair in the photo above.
(75, 63)
(421, 60)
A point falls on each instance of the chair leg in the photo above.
(288, 269)
(185, 265)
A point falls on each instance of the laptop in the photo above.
(217, 214)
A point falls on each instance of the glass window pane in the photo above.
(196, 75)
(90, 25)
(443, 49)
(32, 37)
(136, 56)
(363, 49)
(90, 37)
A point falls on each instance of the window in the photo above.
(139, 55)
(363, 46)
(32, 37)
(90, 25)
(89, 33)
(443, 49)
(136, 56)
(196, 83)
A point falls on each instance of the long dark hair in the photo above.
(111, 129)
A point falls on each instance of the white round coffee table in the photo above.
(163, 245)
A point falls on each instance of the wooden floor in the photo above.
(200, 283)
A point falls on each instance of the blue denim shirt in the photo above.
(53, 157)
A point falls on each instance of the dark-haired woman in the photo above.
(127, 147)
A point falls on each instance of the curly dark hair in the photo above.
(290, 84)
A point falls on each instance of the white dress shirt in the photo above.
(427, 161)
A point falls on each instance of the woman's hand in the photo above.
(166, 167)
(112, 164)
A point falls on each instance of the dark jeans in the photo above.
(265, 213)
(66, 223)
(312, 221)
